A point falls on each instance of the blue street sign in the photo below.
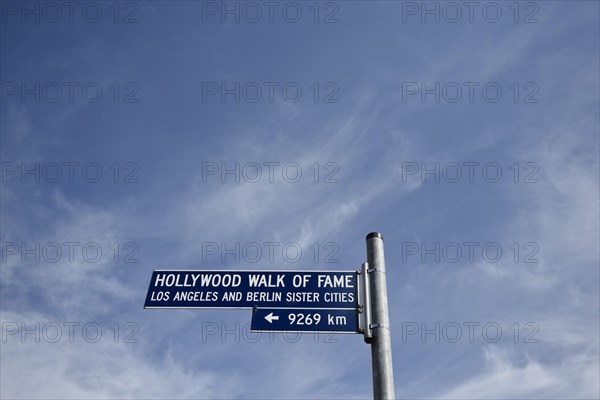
(250, 289)
(305, 320)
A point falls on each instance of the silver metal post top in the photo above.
(374, 234)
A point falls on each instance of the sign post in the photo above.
(381, 344)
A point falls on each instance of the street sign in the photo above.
(292, 301)
(305, 320)
(252, 289)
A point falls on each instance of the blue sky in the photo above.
(379, 107)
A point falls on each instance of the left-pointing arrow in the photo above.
(270, 317)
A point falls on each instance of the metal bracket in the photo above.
(364, 300)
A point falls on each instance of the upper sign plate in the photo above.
(250, 289)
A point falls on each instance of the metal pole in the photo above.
(381, 346)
